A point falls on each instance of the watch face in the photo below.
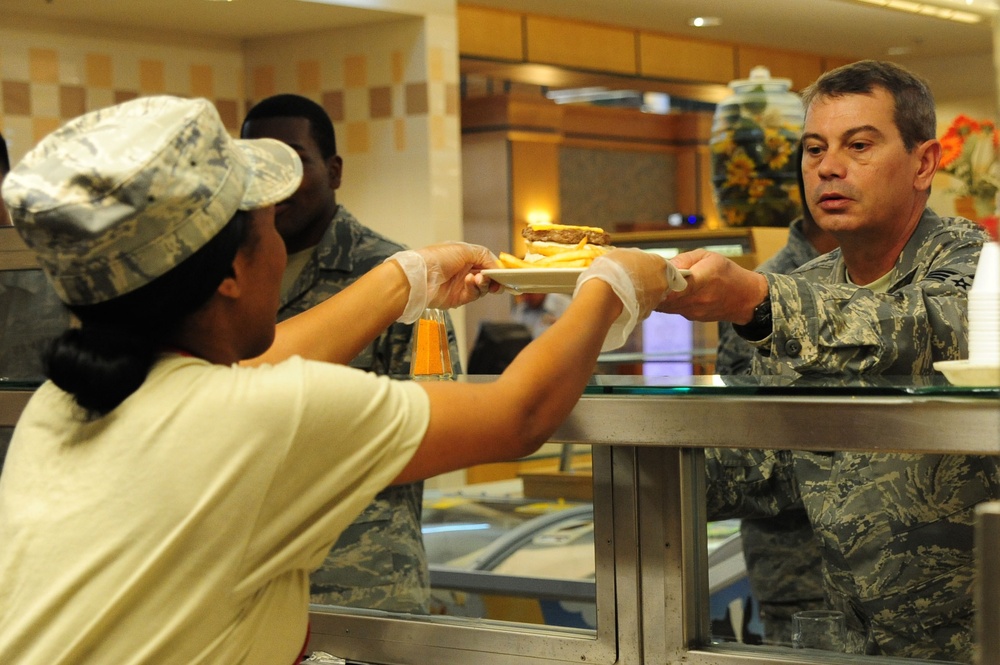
(762, 312)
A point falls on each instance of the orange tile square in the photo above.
(333, 102)
(264, 84)
(380, 102)
(72, 101)
(43, 65)
(398, 67)
(42, 127)
(125, 95)
(416, 98)
(16, 98)
(99, 70)
(399, 134)
(229, 112)
(356, 71)
(202, 81)
(151, 76)
(358, 138)
(308, 75)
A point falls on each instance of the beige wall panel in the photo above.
(831, 62)
(580, 45)
(486, 201)
(487, 33)
(801, 68)
(675, 58)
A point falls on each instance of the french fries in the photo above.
(511, 261)
(581, 257)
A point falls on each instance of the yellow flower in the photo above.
(724, 146)
(758, 188)
(734, 216)
(739, 170)
(778, 148)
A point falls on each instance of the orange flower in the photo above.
(970, 153)
(951, 147)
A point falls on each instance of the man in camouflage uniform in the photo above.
(379, 561)
(783, 559)
(895, 530)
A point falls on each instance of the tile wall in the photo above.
(391, 89)
(392, 93)
(47, 78)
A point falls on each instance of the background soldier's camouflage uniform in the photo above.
(784, 563)
(379, 561)
(896, 529)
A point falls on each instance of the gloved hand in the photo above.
(444, 276)
(640, 279)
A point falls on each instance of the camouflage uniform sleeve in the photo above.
(735, 354)
(750, 483)
(840, 328)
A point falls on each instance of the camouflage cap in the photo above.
(117, 197)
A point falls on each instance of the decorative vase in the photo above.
(980, 210)
(755, 135)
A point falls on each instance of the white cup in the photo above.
(984, 308)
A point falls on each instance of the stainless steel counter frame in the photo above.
(652, 578)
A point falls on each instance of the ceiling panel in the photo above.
(829, 27)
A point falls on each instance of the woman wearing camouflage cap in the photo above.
(160, 502)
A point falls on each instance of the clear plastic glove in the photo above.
(640, 280)
(444, 276)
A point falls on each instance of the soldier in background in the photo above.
(379, 562)
(783, 559)
(895, 529)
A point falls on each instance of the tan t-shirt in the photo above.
(182, 527)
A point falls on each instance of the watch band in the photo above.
(760, 326)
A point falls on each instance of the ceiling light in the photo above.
(962, 11)
(704, 21)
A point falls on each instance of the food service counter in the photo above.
(650, 542)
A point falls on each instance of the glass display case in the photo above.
(650, 541)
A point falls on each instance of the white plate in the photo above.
(536, 280)
(965, 373)
(540, 280)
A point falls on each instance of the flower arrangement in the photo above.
(753, 170)
(971, 155)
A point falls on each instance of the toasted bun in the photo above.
(564, 234)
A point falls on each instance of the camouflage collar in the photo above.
(335, 250)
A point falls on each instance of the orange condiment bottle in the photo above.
(430, 356)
